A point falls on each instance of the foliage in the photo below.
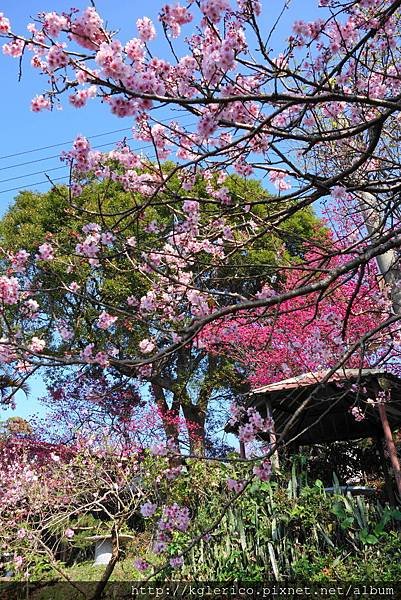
(285, 529)
(278, 533)
(306, 333)
(188, 380)
(155, 249)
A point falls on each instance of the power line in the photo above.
(31, 162)
(31, 174)
(144, 147)
(64, 166)
(89, 137)
(66, 177)
(31, 185)
(48, 158)
(23, 187)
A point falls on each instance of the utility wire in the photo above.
(89, 137)
(35, 173)
(48, 170)
(66, 177)
(55, 168)
(30, 162)
(64, 166)
(23, 187)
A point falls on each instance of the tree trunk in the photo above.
(110, 567)
(388, 262)
(171, 429)
(195, 419)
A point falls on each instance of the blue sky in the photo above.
(23, 130)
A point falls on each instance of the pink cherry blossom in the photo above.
(174, 17)
(56, 58)
(19, 260)
(88, 227)
(87, 353)
(146, 29)
(40, 103)
(37, 345)
(246, 433)
(279, 181)
(279, 117)
(357, 413)
(107, 239)
(14, 48)
(45, 252)
(87, 29)
(66, 333)
(146, 346)
(90, 246)
(213, 9)
(53, 23)
(78, 100)
(102, 359)
(235, 486)
(105, 321)
(9, 289)
(263, 471)
(135, 50)
(132, 301)
(158, 450)
(4, 24)
(31, 306)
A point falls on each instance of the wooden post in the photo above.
(272, 438)
(392, 450)
(388, 482)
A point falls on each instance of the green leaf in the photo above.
(347, 522)
(367, 538)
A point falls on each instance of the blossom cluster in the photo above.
(249, 431)
(174, 518)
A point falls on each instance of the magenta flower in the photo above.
(235, 486)
(176, 562)
(105, 320)
(148, 509)
(141, 565)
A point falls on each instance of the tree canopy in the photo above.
(184, 382)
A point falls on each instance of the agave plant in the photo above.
(289, 529)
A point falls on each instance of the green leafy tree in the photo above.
(187, 382)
